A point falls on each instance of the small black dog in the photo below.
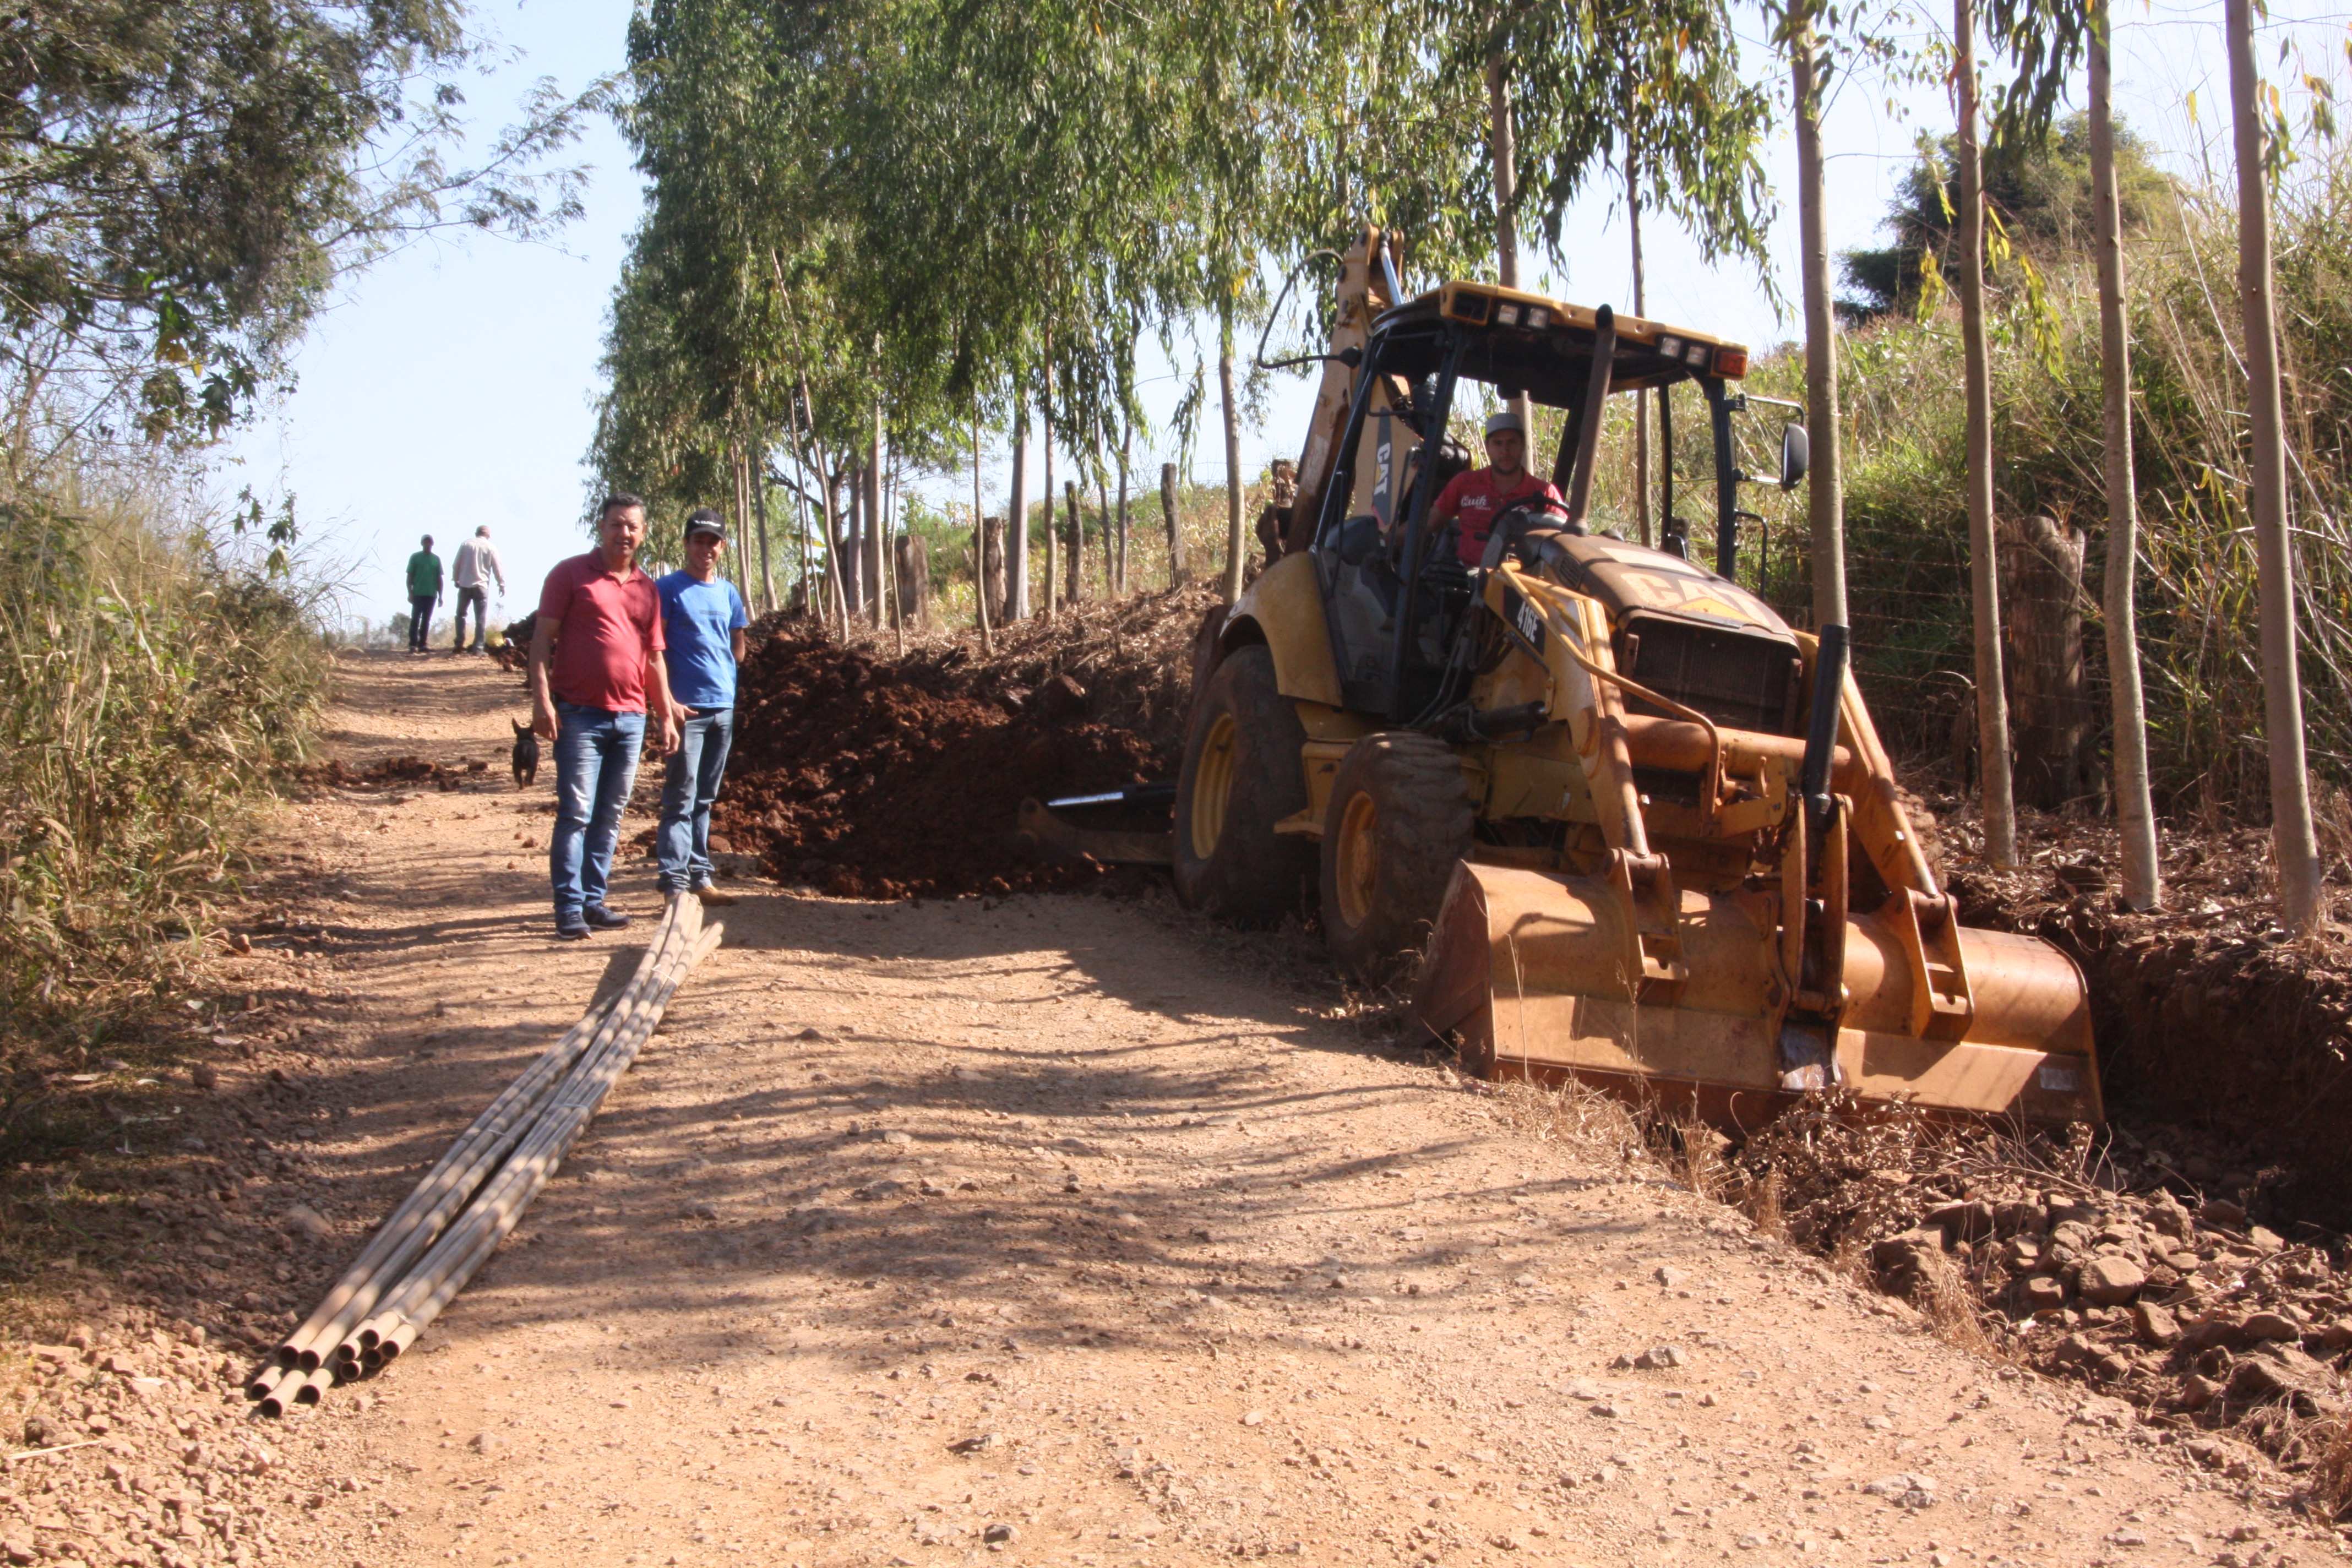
(526, 755)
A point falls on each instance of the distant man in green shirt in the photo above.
(424, 593)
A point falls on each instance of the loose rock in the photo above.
(2110, 1281)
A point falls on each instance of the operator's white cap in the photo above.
(1506, 420)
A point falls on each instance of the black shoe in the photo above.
(572, 929)
(602, 918)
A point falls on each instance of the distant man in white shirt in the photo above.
(475, 565)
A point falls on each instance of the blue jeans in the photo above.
(683, 844)
(596, 754)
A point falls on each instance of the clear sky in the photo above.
(451, 385)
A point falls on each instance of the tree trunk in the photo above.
(744, 528)
(1102, 512)
(1016, 509)
(1825, 494)
(853, 510)
(2041, 595)
(1233, 417)
(891, 554)
(875, 543)
(1078, 542)
(914, 561)
(1502, 149)
(2143, 870)
(760, 513)
(1640, 308)
(1126, 445)
(1176, 565)
(1993, 775)
(1053, 536)
(992, 570)
(980, 583)
(2293, 842)
(833, 554)
(731, 566)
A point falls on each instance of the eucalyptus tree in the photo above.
(2260, 135)
(2043, 39)
(2143, 870)
(1994, 774)
(181, 183)
(1685, 137)
(1809, 69)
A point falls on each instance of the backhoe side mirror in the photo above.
(1796, 455)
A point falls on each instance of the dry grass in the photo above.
(1572, 1114)
(2331, 1473)
(1946, 1300)
(1694, 1151)
(150, 693)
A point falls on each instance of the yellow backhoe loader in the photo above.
(1635, 828)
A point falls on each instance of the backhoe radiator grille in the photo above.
(1742, 679)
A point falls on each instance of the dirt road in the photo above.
(1074, 1230)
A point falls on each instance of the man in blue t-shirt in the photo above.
(702, 627)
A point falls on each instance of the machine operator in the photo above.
(1476, 497)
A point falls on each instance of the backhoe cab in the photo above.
(1635, 828)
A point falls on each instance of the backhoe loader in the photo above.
(1634, 827)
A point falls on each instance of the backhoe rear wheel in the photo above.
(1399, 820)
(1242, 774)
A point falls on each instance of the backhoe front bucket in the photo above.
(1528, 974)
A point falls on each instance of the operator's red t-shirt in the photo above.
(1472, 497)
(606, 627)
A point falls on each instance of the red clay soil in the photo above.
(870, 776)
(872, 779)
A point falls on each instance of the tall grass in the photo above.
(151, 689)
(1901, 387)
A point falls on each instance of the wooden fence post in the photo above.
(1178, 570)
(2050, 706)
(991, 574)
(914, 570)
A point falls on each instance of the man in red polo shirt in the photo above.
(1478, 496)
(595, 667)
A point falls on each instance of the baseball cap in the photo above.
(1506, 420)
(702, 519)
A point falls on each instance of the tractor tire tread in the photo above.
(1426, 820)
(1253, 877)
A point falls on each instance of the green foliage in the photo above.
(181, 179)
(929, 205)
(2039, 194)
(1901, 382)
(151, 691)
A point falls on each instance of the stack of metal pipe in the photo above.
(421, 1258)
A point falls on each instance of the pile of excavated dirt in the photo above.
(868, 776)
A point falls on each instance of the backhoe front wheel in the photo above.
(1242, 774)
(1399, 820)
